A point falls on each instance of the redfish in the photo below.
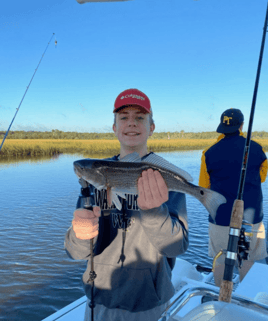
(121, 177)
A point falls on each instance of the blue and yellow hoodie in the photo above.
(220, 171)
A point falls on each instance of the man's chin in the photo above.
(132, 144)
(133, 140)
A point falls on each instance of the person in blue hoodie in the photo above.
(220, 171)
(135, 247)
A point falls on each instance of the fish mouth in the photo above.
(78, 169)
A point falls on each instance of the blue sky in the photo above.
(193, 59)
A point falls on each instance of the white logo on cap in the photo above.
(133, 96)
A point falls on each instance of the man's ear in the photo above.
(114, 128)
(152, 128)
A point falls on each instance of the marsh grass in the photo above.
(48, 147)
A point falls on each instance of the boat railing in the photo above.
(180, 300)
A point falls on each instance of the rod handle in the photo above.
(226, 291)
(237, 214)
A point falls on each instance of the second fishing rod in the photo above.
(238, 207)
(18, 108)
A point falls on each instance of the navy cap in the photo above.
(231, 120)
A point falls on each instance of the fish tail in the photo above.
(212, 200)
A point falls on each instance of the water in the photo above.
(37, 199)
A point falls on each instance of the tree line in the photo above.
(57, 134)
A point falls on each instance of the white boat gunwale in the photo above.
(191, 286)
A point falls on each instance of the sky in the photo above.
(192, 58)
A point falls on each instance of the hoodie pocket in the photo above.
(124, 288)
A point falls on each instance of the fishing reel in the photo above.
(244, 242)
(243, 245)
(86, 199)
(246, 234)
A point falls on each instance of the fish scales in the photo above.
(127, 174)
(124, 174)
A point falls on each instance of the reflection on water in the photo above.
(40, 159)
(37, 199)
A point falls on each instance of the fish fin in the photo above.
(113, 198)
(119, 192)
(212, 201)
(123, 191)
(133, 157)
(161, 162)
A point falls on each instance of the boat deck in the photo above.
(254, 285)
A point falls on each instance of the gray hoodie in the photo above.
(135, 251)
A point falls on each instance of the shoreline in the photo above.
(14, 148)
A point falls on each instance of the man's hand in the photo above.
(152, 189)
(86, 223)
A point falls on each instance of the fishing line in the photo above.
(17, 109)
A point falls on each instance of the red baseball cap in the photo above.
(132, 97)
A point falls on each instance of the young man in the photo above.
(220, 171)
(136, 247)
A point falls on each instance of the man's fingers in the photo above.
(162, 186)
(83, 213)
(146, 185)
(152, 188)
(157, 186)
(87, 214)
(153, 184)
(141, 197)
(97, 211)
(83, 222)
(86, 223)
(140, 188)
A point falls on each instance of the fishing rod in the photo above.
(238, 207)
(88, 198)
(17, 109)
